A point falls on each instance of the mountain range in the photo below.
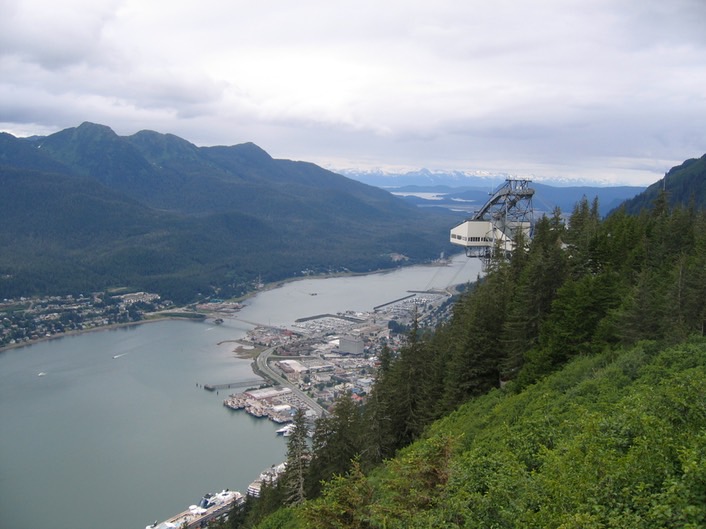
(462, 191)
(85, 209)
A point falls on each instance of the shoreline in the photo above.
(244, 350)
(109, 327)
(267, 287)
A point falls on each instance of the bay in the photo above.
(309, 297)
(117, 431)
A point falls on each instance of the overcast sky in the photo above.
(599, 90)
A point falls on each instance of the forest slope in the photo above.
(613, 440)
(684, 185)
(568, 388)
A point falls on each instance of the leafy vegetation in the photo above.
(613, 440)
(566, 391)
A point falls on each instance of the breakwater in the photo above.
(378, 307)
(321, 316)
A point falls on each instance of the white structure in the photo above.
(292, 366)
(499, 223)
(267, 393)
(354, 346)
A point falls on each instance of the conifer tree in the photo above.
(531, 293)
(379, 439)
(474, 362)
(298, 457)
(337, 441)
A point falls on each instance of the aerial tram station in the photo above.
(495, 227)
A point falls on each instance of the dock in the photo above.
(256, 382)
(393, 302)
(338, 316)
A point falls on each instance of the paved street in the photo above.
(270, 373)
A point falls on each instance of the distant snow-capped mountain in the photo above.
(426, 177)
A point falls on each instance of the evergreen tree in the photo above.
(379, 440)
(343, 503)
(272, 496)
(298, 457)
(532, 293)
(407, 374)
(476, 355)
(337, 440)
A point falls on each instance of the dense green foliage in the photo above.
(567, 390)
(85, 209)
(684, 185)
(613, 440)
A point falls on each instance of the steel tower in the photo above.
(495, 227)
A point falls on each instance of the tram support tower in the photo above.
(495, 227)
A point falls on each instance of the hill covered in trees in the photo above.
(613, 440)
(85, 209)
(683, 185)
(566, 391)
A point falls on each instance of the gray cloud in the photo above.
(604, 89)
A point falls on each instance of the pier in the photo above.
(338, 316)
(242, 384)
(393, 301)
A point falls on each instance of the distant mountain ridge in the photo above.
(468, 191)
(683, 184)
(427, 177)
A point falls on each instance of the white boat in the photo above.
(286, 430)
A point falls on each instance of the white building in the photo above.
(350, 345)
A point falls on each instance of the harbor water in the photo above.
(113, 429)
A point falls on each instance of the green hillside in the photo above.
(567, 391)
(683, 185)
(614, 440)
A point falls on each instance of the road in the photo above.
(270, 373)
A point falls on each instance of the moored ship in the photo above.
(210, 507)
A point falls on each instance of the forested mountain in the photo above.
(567, 390)
(85, 209)
(683, 185)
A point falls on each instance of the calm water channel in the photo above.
(115, 432)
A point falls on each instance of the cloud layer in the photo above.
(609, 90)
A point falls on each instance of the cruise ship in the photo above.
(269, 476)
(210, 507)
